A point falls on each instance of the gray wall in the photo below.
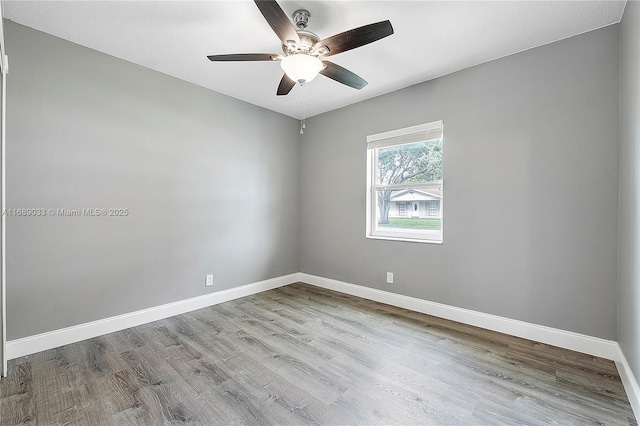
(530, 192)
(210, 183)
(629, 232)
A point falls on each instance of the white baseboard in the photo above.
(40, 342)
(629, 381)
(539, 333)
(552, 336)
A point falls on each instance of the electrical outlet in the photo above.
(208, 281)
(389, 277)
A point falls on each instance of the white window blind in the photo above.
(420, 133)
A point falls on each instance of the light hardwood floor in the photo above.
(304, 355)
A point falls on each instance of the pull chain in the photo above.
(304, 108)
(303, 124)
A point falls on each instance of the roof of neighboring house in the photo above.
(417, 195)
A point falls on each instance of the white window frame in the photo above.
(422, 132)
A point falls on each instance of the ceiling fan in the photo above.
(305, 53)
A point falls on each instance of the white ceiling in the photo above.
(432, 38)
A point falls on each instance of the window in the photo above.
(402, 209)
(432, 208)
(404, 170)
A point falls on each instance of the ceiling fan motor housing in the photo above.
(308, 41)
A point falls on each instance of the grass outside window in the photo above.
(413, 223)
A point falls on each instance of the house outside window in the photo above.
(404, 184)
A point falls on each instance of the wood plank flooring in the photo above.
(304, 355)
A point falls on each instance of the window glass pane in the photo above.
(418, 162)
(410, 209)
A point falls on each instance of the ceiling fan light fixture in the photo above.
(301, 67)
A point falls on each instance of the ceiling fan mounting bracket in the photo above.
(301, 18)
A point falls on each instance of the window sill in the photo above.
(404, 239)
